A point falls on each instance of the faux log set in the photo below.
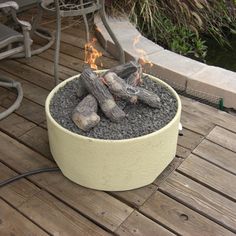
(121, 81)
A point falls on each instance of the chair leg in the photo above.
(85, 22)
(109, 30)
(9, 83)
(58, 39)
(27, 43)
(37, 19)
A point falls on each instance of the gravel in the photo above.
(141, 119)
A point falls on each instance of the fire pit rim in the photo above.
(55, 89)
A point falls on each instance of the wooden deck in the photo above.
(195, 195)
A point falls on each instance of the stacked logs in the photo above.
(121, 81)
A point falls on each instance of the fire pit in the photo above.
(111, 162)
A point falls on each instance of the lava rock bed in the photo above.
(141, 119)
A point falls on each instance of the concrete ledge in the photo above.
(187, 74)
(216, 81)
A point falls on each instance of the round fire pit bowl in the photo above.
(112, 165)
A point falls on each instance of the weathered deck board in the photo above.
(139, 225)
(192, 122)
(136, 197)
(190, 139)
(47, 66)
(196, 199)
(28, 109)
(14, 223)
(97, 205)
(216, 116)
(180, 218)
(28, 73)
(31, 91)
(218, 155)
(202, 199)
(204, 172)
(44, 209)
(223, 137)
(15, 125)
(18, 192)
(57, 218)
(37, 139)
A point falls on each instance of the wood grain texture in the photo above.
(138, 225)
(28, 109)
(180, 218)
(57, 218)
(190, 139)
(47, 66)
(12, 223)
(194, 123)
(68, 61)
(18, 192)
(218, 155)
(15, 125)
(168, 170)
(99, 206)
(214, 115)
(210, 175)
(201, 199)
(31, 91)
(37, 139)
(182, 152)
(28, 73)
(136, 197)
(223, 137)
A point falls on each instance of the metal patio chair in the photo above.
(12, 43)
(64, 8)
(36, 29)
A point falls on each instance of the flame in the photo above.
(91, 54)
(143, 58)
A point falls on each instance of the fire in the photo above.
(143, 58)
(91, 54)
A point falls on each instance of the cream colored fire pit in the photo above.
(112, 165)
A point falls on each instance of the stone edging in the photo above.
(188, 74)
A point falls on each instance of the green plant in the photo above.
(179, 25)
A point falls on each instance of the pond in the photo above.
(224, 57)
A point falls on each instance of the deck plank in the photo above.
(47, 66)
(189, 139)
(13, 223)
(201, 199)
(223, 137)
(192, 122)
(216, 116)
(180, 218)
(201, 208)
(139, 225)
(18, 192)
(28, 73)
(216, 154)
(136, 197)
(210, 175)
(15, 125)
(31, 91)
(37, 139)
(28, 109)
(97, 205)
(44, 209)
(57, 218)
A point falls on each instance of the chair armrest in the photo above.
(13, 7)
(10, 4)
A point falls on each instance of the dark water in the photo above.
(222, 57)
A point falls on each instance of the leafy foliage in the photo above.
(179, 24)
